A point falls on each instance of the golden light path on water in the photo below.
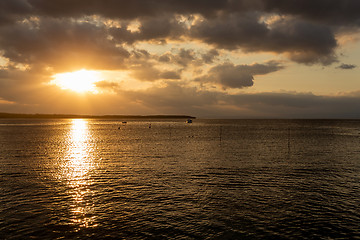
(78, 163)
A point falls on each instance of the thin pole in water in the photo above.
(170, 130)
(289, 139)
(220, 133)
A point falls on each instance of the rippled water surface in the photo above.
(212, 179)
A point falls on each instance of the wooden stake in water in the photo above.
(220, 133)
(169, 131)
(289, 139)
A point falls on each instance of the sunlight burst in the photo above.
(79, 81)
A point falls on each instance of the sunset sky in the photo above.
(207, 58)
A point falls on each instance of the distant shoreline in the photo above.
(49, 116)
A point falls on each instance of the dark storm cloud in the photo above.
(331, 11)
(231, 31)
(125, 9)
(335, 12)
(305, 34)
(160, 28)
(229, 75)
(346, 66)
(305, 42)
(12, 10)
(61, 44)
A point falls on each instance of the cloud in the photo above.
(170, 75)
(303, 41)
(346, 66)
(182, 57)
(330, 11)
(145, 71)
(5, 102)
(125, 9)
(229, 75)
(303, 33)
(175, 98)
(298, 105)
(19, 86)
(107, 85)
(61, 44)
(172, 98)
(333, 12)
(180, 47)
(210, 56)
(12, 10)
(150, 28)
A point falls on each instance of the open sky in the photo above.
(207, 58)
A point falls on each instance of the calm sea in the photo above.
(212, 179)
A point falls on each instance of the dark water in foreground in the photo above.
(212, 179)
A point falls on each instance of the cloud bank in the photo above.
(185, 51)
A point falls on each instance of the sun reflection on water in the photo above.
(78, 163)
(79, 149)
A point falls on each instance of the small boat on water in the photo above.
(189, 121)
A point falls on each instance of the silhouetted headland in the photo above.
(22, 115)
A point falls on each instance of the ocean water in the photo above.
(165, 179)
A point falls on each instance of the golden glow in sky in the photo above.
(79, 81)
(223, 60)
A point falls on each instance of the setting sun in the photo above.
(79, 81)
